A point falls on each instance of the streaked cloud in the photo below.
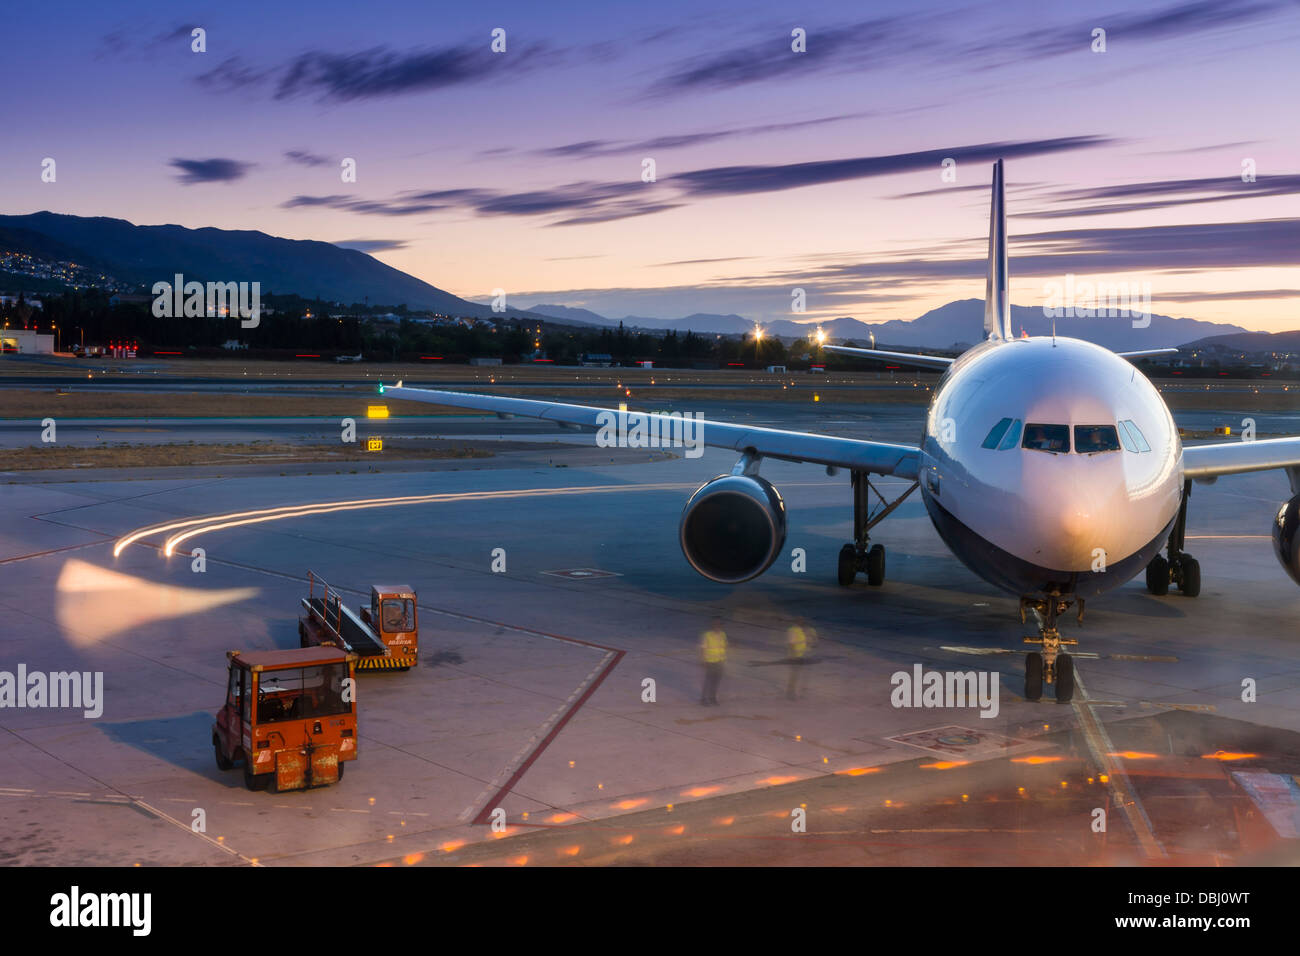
(1245, 294)
(376, 72)
(210, 170)
(891, 42)
(766, 55)
(737, 180)
(588, 148)
(304, 158)
(372, 245)
(695, 262)
(586, 202)
(1189, 192)
(1192, 247)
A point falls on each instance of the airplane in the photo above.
(348, 358)
(1050, 466)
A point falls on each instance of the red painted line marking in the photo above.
(559, 724)
(545, 742)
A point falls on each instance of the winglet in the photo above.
(997, 305)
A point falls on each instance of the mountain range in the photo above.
(142, 255)
(950, 326)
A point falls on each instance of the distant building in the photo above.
(27, 342)
(7, 298)
(596, 360)
(234, 345)
(129, 298)
(485, 361)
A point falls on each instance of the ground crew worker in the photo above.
(798, 642)
(713, 650)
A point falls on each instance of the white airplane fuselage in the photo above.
(1027, 519)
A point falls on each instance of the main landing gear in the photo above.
(1050, 665)
(860, 555)
(1180, 568)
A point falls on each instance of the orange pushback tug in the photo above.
(291, 716)
(384, 636)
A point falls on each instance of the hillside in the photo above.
(143, 255)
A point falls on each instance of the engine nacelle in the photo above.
(1286, 537)
(733, 528)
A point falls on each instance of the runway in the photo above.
(531, 694)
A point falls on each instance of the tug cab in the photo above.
(290, 716)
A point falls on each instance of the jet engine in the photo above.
(1286, 537)
(733, 528)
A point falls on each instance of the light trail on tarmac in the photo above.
(192, 527)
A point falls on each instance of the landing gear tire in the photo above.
(1064, 678)
(1158, 576)
(1189, 577)
(848, 566)
(1033, 676)
(876, 565)
(223, 762)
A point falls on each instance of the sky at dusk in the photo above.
(774, 170)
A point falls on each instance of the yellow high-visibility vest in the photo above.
(715, 647)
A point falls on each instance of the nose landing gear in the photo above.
(1051, 665)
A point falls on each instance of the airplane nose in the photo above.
(1076, 524)
(1075, 527)
(1059, 538)
(1078, 535)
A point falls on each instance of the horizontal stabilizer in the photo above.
(903, 358)
(1145, 353)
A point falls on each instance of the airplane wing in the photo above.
(1233, 458)
(881, 458)
(905, 358)
(1144, 353)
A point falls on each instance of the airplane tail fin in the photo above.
(997, 305)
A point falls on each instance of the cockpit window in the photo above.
(996, 433)
(1126, 437)
(1005, 434)
(1089, 439)
(1053, 438)
(1134, 439)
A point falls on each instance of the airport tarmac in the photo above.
(531, 695)
(881, 421)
